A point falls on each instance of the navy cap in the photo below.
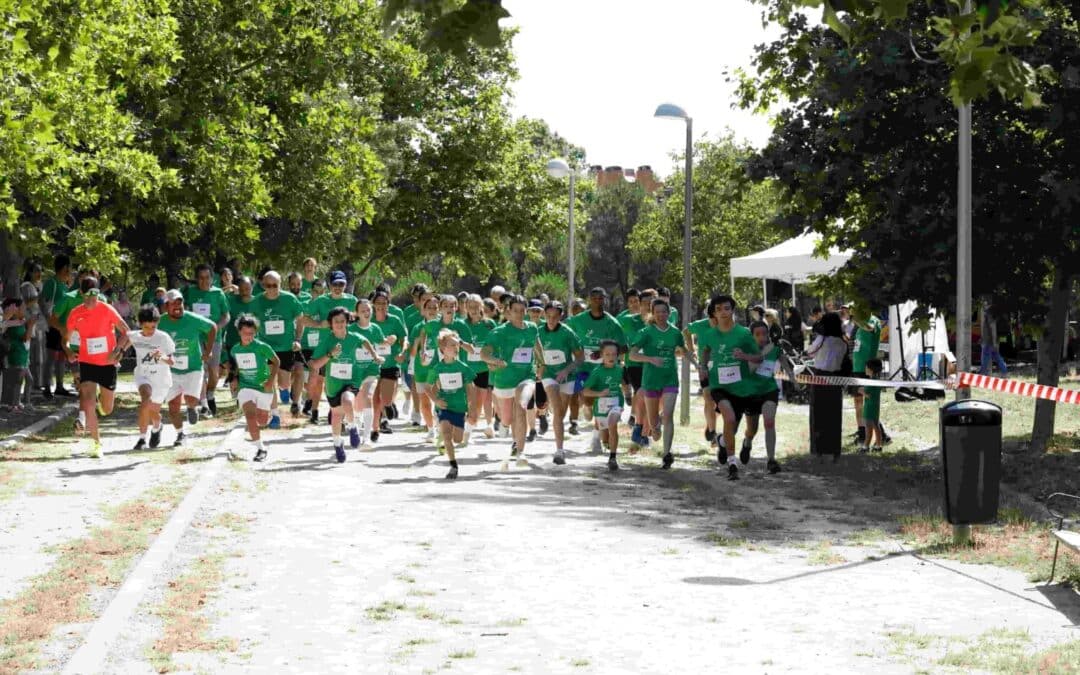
(338, 277)
(535, 304)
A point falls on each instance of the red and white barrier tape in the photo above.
(1018, 388)
(839, 381)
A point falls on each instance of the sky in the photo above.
(595, 70)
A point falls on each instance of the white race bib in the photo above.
(606, 404)
(275, 327)
(341, 371)
(313, 339)
(202, 309)
(592, 354)
(728, 374)
(73, 338)
(522, 355)
(98, 345)
(246, 362)
(412, 367)
(767, 369)
(382, 350)
(474, 355)
(554, 357)
(449, 381)
(858, 344)
(362, 354)
(179, 362)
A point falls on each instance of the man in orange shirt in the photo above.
(99, 351)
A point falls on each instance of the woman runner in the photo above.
(420, 357)
(369, 363)
(481, 401)
(393, 354)
(510, 352)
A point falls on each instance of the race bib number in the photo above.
(728, 374)
(363, 354)
(607, 404)
(275, 327)
(180, 361)
(202, 309)
(246, 362)
(382, 350)
(449, 381)
(767, 369)
(858, 344)
(554, 357)
(474, 355)
(98, 345)
(592, 354)
(73, 338)
(313, 339)
(341, 371)
(522, 355)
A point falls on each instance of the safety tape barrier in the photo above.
(839, 381)
(1026, 389)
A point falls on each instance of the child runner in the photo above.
(766, 398)
(393, 354)
(451, 381)
(481, 326)
(426, 344)
(657, 345)
(256, 366)
(510, 352)
(563, 355)
(604, 388)
(871, 409)
(368, 362)
(417, 372)
(153, 373)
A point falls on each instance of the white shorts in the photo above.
(261, 399)
(602, 420)
(421, 387)
(566, 388)
(188, 384)
(160, 384)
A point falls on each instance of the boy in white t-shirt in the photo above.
(153, 376)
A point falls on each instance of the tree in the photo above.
(732, 217)
(614, 211)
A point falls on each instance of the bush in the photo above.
(401, 286)
(553, 284)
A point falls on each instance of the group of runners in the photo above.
(497, 365)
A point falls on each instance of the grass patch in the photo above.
(386, 610)
(999, 651)
(61, 595)
(824, 554)
(463, 654)
(425, 613)
(11, 481)
(512, 623)
(867, 537)
(580, 663)
(233, 522)
(741, 524)
(717, 539)
(421, 593)
(670, 551)
(186, 627)
(405, 578)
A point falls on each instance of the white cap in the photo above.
(173, 295)
(497, 291)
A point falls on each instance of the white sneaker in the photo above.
(504, 432)
(431, 434)
(521, 461)
(415, 417)
(489, 432)
(597, 444)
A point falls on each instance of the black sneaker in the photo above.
(744, 454)
(560, 458)
(192, 416)
(388, 412)
(863, 449)
(876, 448)
(260, 455)
(452, 474)
(573, 430)
(543, 425)
(732, 472)
(60, 391)
(140, 445)
(179, 442)
(397, 413)
(155, 438)
(710, 435)
(307, 407)
(339, 454)
(612, 464)
(532, 436)
(294, 409)
(211, 405)
(774, 466)
(314, 416)
(631, 422)
(374, 436)
(885, 438)
(721, 456)
(669, 459)
(860, 435)
(47, 393)
(384, 427)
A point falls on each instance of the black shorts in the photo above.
(306, 353)
(390, 373)
(288, 360)
(540, 398)
(761, 400)
(742, 405)
(53, 339)
(335, 400)
(104, 376)
(483, 381)
(631, 375)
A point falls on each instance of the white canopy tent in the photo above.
(792, 261)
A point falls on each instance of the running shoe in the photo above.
(211, 405)
(573, 430)
(876, 448)
(860, 435)
(95, 449)
(275, 422)
(489, 432)
(140, 444)
(744, 454)
(612, 464)
(260, 455)
(388, 412)
(192, 416)
(307, 407)
(294, 409)
(204, 409)
(710, 435)
(314, 415)
(339, 453)
(531, 437)
(504, 432)
(285, 395)
(384, 426)
(397, 413)
(415, 419)
(732, 472)
(521, 461)
(60, 391)
(155, 438)
(354, 436)
(374, 436)
(597, 445)
(864, 449)
(774, 466)
(543, 425)
(669, 459)
(560, 458)
(452, 474)
(179, 442)
(80, 423)
(885, 437)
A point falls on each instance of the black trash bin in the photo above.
(971, 461)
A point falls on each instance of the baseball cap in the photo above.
(172, 295)
(598, 290)
(338, 277)
(535, 304)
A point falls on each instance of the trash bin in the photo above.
(971, 461)
(826, 419)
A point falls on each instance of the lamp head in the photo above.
(558, 168)
(670, 111)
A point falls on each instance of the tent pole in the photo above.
(793, 300)
(765, 292)
(733, 287)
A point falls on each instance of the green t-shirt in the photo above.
(189, 333)
(344, 369)
(764, 376)
(409, 316)
(53, 289)
(309, 339)
(277, 320)
(396, 311)
(517, 347)
(632, 324)
(871, 407)
(18, 354)
(662, 343)
(392, 326)
(430, 332)
(602, 378)
(252, 363)
(725, 371)
(673, 317)
(319, 309)
(452, 379)
(866, 344)
(697, 329)
(305, 286)
(559, 347)
(147, 297)
(366, 362)
(67, 302)
(591, 331)
(237, 308)
(480, 331)
(212, 304)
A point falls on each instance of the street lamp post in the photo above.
(557, 168)
(672, 111)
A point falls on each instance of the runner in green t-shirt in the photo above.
(281, 323)
(256, 366)
(369, 362)
(864, 348)
(52, 291)
(481, 327)
(633, 322)
(658, 345)
(209, 302)
(394, 354)
(767, 394)
(194, 337)
(425, 347)
(317, 311)
(450, 382)
(562, 356)
(604, 388)
(416, 372)
(511, 352)
(731, 354)
(592, 327)
(692, 337)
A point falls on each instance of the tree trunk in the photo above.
(11, 266)
(1050, 342)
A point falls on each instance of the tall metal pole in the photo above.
(688, 289)
(570, 268)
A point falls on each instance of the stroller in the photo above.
(791, 361)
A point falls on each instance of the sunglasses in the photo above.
(269, 286)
